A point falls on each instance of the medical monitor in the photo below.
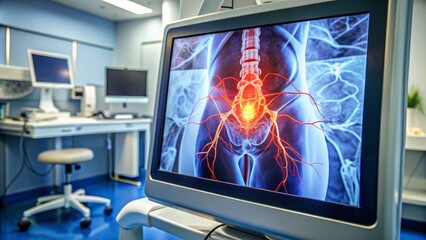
(269, 118)
(126, 85)
(48, 71)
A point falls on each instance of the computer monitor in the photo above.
(270, 119)
(126, 86)
(49, 71)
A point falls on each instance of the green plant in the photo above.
(415, 98)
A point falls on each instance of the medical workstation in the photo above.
(212, 119)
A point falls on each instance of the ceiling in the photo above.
(105, 10)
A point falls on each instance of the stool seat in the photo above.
(66, 156)
(68, 199)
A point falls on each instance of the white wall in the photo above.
(415, 161)
(129, 37)
(170, 11)
(417, 70)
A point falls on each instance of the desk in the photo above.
(76, 126)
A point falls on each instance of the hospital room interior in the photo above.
(212, 119)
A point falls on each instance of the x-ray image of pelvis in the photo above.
(278, 108)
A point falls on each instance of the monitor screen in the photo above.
(50, 70)
(125, 85)
(275, 110)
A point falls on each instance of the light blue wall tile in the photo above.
(91, 63)
(26, 180)
(21, 41)
(58, 20)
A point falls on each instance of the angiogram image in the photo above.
(277, 108)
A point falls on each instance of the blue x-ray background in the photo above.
(336, 58)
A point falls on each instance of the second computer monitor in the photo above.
(126, 85)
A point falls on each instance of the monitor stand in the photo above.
(47, 109)
(145, 213)
(123, 115)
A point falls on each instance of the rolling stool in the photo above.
(68, 157)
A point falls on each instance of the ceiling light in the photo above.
(129, 6)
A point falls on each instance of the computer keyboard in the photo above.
(123, 116)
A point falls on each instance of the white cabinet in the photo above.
(414, 194)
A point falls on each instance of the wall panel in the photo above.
(91, 63)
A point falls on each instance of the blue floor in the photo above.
(65, 224)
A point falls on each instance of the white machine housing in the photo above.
(88, 101)
(276, 222)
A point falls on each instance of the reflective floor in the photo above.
(65, 224)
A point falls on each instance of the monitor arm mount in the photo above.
(145, 213)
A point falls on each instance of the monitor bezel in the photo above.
(125, 98)
(364, 216)
(39, 84)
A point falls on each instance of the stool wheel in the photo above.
(85, 223)
(108, 210)
(23, 225)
